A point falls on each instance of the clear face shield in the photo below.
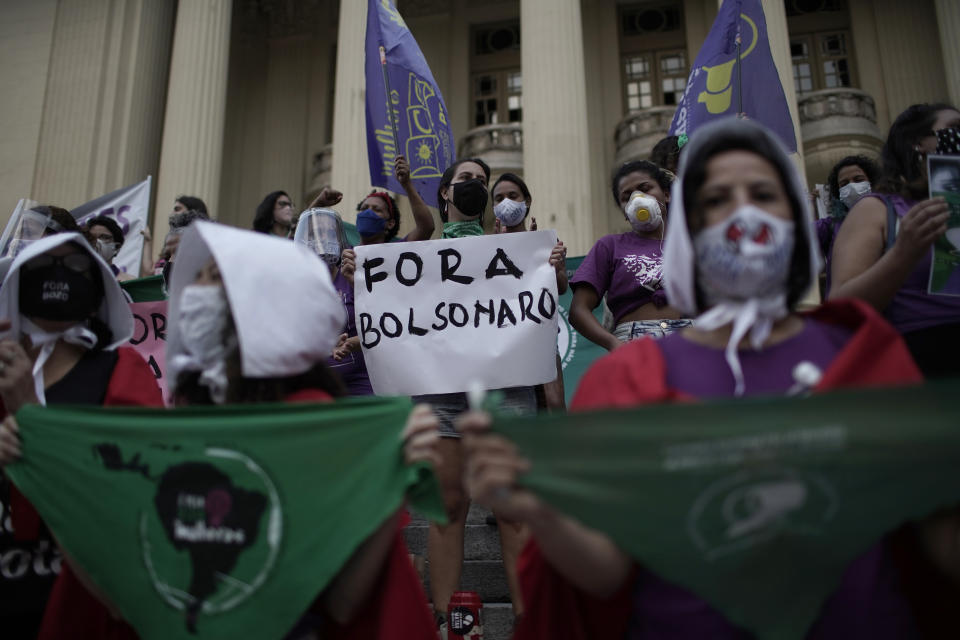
(31, 226)
(322, 230)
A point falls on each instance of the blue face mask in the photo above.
(370, 224)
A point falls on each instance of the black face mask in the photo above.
(56, 292)
(470, 197)
(948, 141)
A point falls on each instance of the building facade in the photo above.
(231, 99)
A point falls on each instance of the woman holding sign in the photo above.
(627, 268)
(883, 253)
(66, 325)
(739, 255)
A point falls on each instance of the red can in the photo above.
(465, 616)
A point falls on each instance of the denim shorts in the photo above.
(627, 331)
(520, 401)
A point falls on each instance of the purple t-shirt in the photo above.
(663, 610)
(627, 268)
(912, 308)
(703, 372)
(352, 369)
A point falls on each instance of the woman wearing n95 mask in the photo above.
(627, 267)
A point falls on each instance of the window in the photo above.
(653, 55)
(654, 79)
(821, 61)
(497, 82)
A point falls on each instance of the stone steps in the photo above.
(482, 568)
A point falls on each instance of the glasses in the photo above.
(79, 262)
(284, 204)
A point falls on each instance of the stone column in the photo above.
(351, 171)
(556, 141)
(948, 19)
(192, 147)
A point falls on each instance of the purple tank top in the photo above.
(703, 372)
(662, 610)
(912, 308)
(352, 369)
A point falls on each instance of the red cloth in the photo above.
(635, 374)
(72, 611)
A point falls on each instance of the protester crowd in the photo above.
(706, 291)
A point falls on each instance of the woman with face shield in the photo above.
(65, 326)
(321, 230)
(739, 255)
(883, 251)
(627, 267)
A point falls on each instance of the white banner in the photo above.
(128, 207)
(435, 316)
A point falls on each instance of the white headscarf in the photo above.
(114, 309)
(286, 312)
(755, 315)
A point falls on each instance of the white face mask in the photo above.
(107, 250)
(203, 316)
(851, 193)
(643, 212)
(509, 212)
(746, 256)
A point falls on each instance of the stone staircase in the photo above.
(482, 569)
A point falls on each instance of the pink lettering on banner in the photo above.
(150, 338)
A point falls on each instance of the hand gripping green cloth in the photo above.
(230, 519)
(755, 505)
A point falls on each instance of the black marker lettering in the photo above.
(544, 296)
(415, 259)
(478, 309)
(508, 268)
(366, 326)
(454, 306)
(369, 276)
(447, 271)
(397, 325)
(413, 329)
(138, 320)
(437, 313)
(505, 312)
(526, 304)
(159, 325)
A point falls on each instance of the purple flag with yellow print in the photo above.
(415, 106)
(715, 83)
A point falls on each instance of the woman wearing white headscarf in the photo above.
(64, 322)
(739, 256)
(254, 319)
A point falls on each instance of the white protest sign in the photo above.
(435, 316)
(128, 207)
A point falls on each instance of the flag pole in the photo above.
(386, 86)
(740, 113)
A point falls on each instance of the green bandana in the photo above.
(218, 522)
(755, 505)
(461, 229)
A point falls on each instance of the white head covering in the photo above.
(114, 309)
(755, 315)
(286, 312)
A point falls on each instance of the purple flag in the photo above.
(418, 112)
(714, 86)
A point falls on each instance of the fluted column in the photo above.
(192, 146)
(351, 172)
(948, 19)
(556, 141)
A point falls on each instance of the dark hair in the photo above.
(196, 204)
(59, 215)
(663, 178)
(263, 220)
(666, 153)
(517, 180)
(865, 164)
(392, 209)
(111, 226)
(743, 135)
(902, 170)
(447, 179)
(184, 218)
